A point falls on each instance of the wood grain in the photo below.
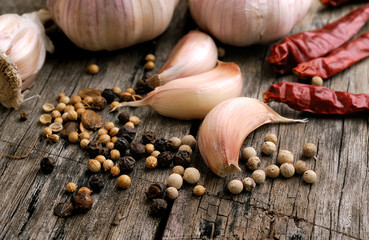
(336, 207)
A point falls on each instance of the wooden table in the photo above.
(336, 207)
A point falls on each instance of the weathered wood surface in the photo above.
(336, 207)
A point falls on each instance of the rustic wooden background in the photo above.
(336, 207)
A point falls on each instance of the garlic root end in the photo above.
(140, 103)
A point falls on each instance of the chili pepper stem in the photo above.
(139, 103)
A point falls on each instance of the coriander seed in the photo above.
(309, 176)
(174, 143)
(60, 95)
(199, 190)
(258, 176)
(117, 90)
(84, 190)
(123, 181)
(73, 137)
(284, 156)
(109, 125)
(75, 99)
(84, 143)
(287, 170)
(48, 107)
(171, 193)
(88, 100)
(191, 175)
(94, 165)
(84, 135)
(253, 163)
(110, 145)
(248, 152)
(108, 164)
(113, 105)
(100, 158)
(271, 138)
(92, 69)
(53, 138)
(189, 140)
(68, 108)
(60, 107)
(149, 65)
(309, 150)
(81, 111)
(72, 115)
(47, 131)
(114, 131)
(102, 131)
(114, 139)
(64, 100)
(78, 105)
(155, 153)
(300, 167)
(151, 162)
(175, 180)
(317, 81)
(129, 124)
(125, 96)
(186, 148)
(150, 57)
(65, 117)
(135, 120)
(149, 148)
(56, 127)
(178, 169)
(23, 116)
(45, 119)
(71, 187)
(131, 91)
(235, 186)
(58, 120)
(248, 184)
(104, 139)
(272, 171)
(55, 114)
(268, 148)
(114, 154)
(115, 171)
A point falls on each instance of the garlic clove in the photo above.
(109, 25)
(193, 97)
(242, 23)
(23, 45)
(226, 126)
(195, 53)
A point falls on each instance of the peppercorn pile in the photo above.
(284, 159)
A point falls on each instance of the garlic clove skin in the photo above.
(193, 97)
(23, 45)
(246, 22)
(195, 53)
(226, 126)
(109, 25)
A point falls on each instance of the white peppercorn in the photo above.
(285, 156)
(253, 163)
(235, 186)
(248, 152)
(248, 184)
(258, 176)
(309, 176)
(191, 175)
(271, 138)
(171, 193)
(268, 148)
(300, 167)
(272, 171)
(178, 169)
(175, 180)
(189, 140)
(287, 170)
(185, 148)
(309, 150)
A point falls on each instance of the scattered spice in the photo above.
(268, 148)
(191, 175)
(248, 152)
(114, 154)
(309, 176)
(317, 81)
(94, 165)
(271, 138)
(123, 181)
(109, 125)
(100, 158)
(155, 190)
(284, 156)
(158, 207)
(95, 148)
(123, 117)
(127, 163)
(149, 148)
(185, 148)
(182, 158)
(309, 150)
(258, 176)
(73, 137)
(149, 65)
(83, 201)
(178, 169)
(148, 137)
(150, 57)
(109, 95)
(45, 119)
(155, 153)
(69, 127)
(121, 144)
(84, 190)
(199, 190)
(165, 159)
(71, 187)
(174, 143)
(92, 69)
(291, 51)
(24, 116)
(175, 180)
(108, 164)
(272, 171)
(114, 105)
(99, 103)
(248, 184)
(287, 170)
(300, 167)
(91, 120)
(53, 138)
(189, 140)
(47, 165)
(235, 186)
(127, 132)
(171, 193)
(64, 210)
(96, 184)
(115, 171)
(130, 124)
(137, 150)
(160, 144)
(253, 163)
(151, 162)
(135, 120)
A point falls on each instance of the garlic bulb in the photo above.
(226, 126)
(108, 25)
(193, 97)
(23, 45)
(246, 22)
(195, 53)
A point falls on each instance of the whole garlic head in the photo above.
(246, 22)
(108, 25)
(23, 45)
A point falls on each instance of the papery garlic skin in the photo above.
(24, 43)
(108, 25)
(195, 53)
(246, 22)
(193, 97)
(226, 126)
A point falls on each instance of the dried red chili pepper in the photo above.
(316, 99)
(304, 46)
(337, 61)
(333, 3)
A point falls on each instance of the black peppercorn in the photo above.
(148, 137)
(126, 164)
(121, 145)
(47, 165)
(64, 210)
(165, 159)
(83, 201)
(109, 95)
(142, 86)
(126, 132)
(160, 144)
(24, 116)
(158, 207)
(182, 158)
(96, 184)
(137, 150)
(156, 190)
(123, 118)
(95, 148)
